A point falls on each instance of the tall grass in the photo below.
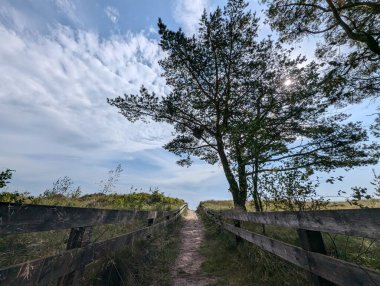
(261, 268)
(329, 205)
(23, 247)
(244, 264)
(135, 200)
(143, 263)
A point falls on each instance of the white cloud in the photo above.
(55, 120)
(54, 89)
(152, 30)
(68, 8)
(188, 12)
(112, 13)
(199, 182)
(12, 17)
(68, 76)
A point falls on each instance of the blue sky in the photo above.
(61, 59)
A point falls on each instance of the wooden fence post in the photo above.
(79, 237)
(238, 239)
(313, 241)
(151, 218)
(76, 237)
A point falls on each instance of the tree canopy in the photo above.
(245, 103)
(351, 34)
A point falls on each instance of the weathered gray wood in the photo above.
(44, 270)
(356, 222)
(151, 218)
(313, 241)
(77, 239)
(238, 239)
(337, 271)
(16, 218)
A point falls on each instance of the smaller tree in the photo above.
(5, 176)
(292, 190)
(376, 183)
(361, 196)
(106, 186)
(63, 187)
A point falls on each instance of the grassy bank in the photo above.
(143, 263)
(135, 200)
(139, 258)
(245, 264)
(331, 205)
(248, 264)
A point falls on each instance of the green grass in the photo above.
(19, 248)
(134, 200)
(261, 268)
(245, 264)
(332, 205)
(146, 262)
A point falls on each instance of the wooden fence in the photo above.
(323, 269)
(64, 268)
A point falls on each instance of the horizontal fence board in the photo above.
(16, 218)
(337, 271)
(356, 222)
(44, 270)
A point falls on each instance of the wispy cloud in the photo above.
(112, 14)
(68, 8)
(188, 12)
(68, 76)
(12, 17)
(56, 122)
(54, 89)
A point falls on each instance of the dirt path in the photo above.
(187, 271)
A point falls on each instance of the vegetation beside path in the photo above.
(246, 264)
(142, 263)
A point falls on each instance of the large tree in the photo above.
(350, 30)
(243, 103)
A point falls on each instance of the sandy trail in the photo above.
(187, 270)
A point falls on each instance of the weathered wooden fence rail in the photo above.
(64, 267)
(323, 269)
(16, 218)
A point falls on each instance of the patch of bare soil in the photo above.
(187, 270)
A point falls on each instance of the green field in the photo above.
(330, 205)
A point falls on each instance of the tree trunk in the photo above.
(239, 201)
(239, 193)
(242, 177)
(239, 205)
(255, 192)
